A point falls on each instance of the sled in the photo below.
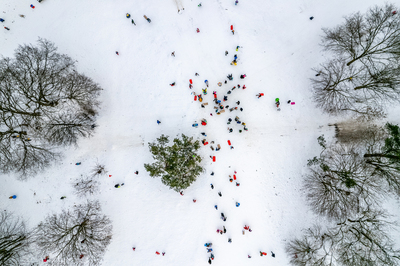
(231, 27)
(205, 104)
(219, 146)
(190, 80)
(215, 96)
(292, 103)
(234, 177)
(205, 143)
(222, 111)
(229, 142)
(195, 97)
(213, 158)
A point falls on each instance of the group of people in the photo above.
(22, 16)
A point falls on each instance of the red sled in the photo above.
(213, 158)
(231, 27)
(195, 97)
(215, 96)
(205, 143)
(229, 142)
(190, 80)
(234, 177)
(261, 94)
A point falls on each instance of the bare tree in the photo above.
(44, 103)
(71, 234)
(85, 185)
(340, 184)
(363, 240)
(332, 88)
(15, 240)
(374, 36)
(361, 90)
(312, 248)
(98, 170)
(365, 75)
(383, 157)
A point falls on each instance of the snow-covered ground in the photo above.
(279, 45)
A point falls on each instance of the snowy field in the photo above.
(279, 45)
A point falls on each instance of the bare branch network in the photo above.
(44, 103)
(364, 76)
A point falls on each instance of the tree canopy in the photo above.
(178, 165)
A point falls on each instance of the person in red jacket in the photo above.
(263, 253)
(46, 259)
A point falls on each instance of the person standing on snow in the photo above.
(277, 102)
(148, 20)
(133, 22)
